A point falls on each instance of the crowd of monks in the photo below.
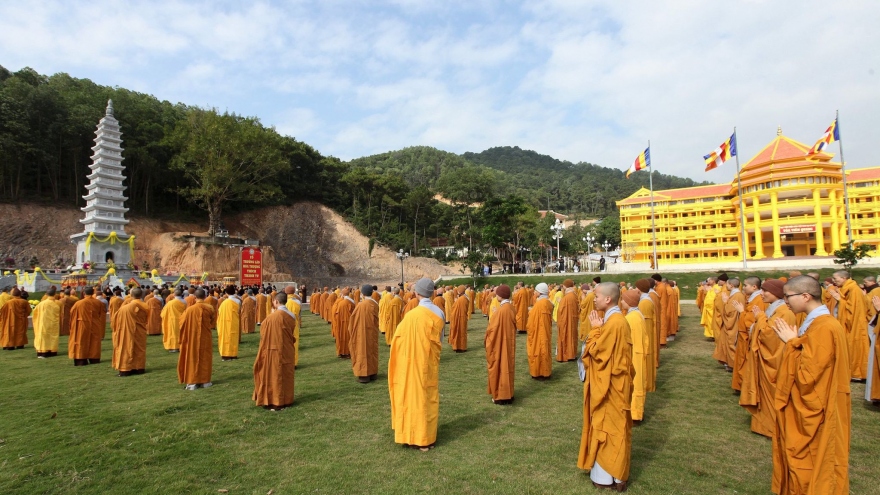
(185, 319)
(792, 346)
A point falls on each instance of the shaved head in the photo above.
(609, 289)
(734, 282)
(804, 284)
(842, 274)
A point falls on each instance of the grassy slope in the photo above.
(147, 435)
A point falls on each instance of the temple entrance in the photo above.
(108, 257)
(788, 250)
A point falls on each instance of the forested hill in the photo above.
(570, 187)
(543, 181)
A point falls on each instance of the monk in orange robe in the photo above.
(567, 324)
(248, 314)
(67, 303)
(751, 289)
(340, 321)
(114, 304)
(130, 336)
(14, 322)
(539, 337)
(521, 302)
(586, 307)
(726, 334)
(154, 314)
(501, 348)
(88, 319)
(607, 373)
(363, 335)
(196, 353)
(717, 316)
(440, 301)
(852, 313)
(811, 445)
(764, 358)
(328, 307)
(458, 321)
(872, 385)
(274, 367)
(261, 306)
(413, 372)
(410, 305)
(663, 294)
(191, 297)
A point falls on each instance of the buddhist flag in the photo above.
(831, 134)
(642, 162)
(721, 154)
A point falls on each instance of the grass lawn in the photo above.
(687, 281)
(83, 430)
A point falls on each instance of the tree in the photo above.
(506, 221)
(226, 158)
(849, 255)
(416, 202)
(465, 187)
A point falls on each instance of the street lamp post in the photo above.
(557, 228)
(589, 240)
(401, 256)
(606, 245)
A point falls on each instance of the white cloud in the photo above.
(578, 81)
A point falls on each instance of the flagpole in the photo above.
(742, 206)
(653, 229)
(843, 172)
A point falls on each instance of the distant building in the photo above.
(793, 207)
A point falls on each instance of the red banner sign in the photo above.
(797, 229)
(251, 266)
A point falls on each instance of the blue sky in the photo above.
(577, 80)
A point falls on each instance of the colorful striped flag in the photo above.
(721, 154)
(642, 162)
(831, 134)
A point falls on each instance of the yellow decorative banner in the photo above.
(111, 238)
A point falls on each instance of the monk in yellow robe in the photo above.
(629, 303)
(393, 314)
(196, 356)
(607, 371)
(229, 325)
(68, 301)
(707, 315)
(274, 368)
(852, 313)
(567, 312)
(764, 358)
(363, 335)
(14, 322)
(248, 312)
(539, 337)
(340, 321)
(261, 306)
(501, 349)
(813, 408)
(47, 326)
(171, 318)
(493, 304)
(154, 313)
(384, 299)
(586, 307)
(448, 301)
(130, 336)
(88, 319)
(458, 322)
(751, 288)
(556, 297)
(294, 305)
(413, 372)
(521, 303)
(646, 308)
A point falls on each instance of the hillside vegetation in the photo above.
(181, 159)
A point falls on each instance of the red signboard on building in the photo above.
(251, 266)
(797, 229)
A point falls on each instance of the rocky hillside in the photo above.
(306, 242)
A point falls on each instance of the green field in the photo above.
(84, 430)
(687, 281)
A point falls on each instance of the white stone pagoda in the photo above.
(103, 238)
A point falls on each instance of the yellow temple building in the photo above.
(792, 207)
